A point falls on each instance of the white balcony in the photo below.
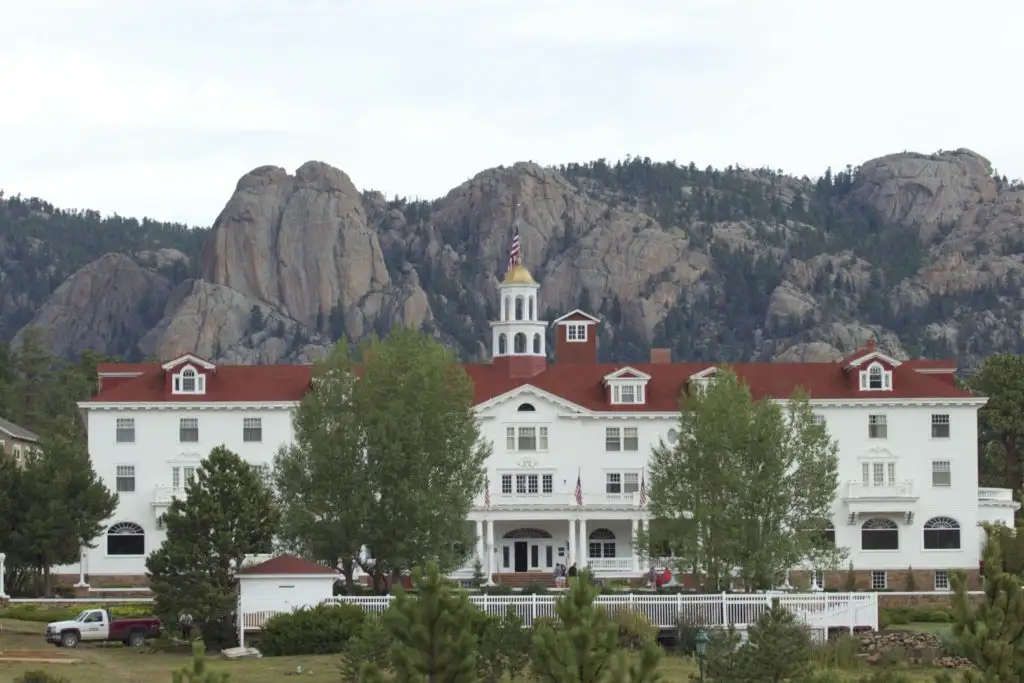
(898, 497)
(997, 498)
(564, 499)
(612, 564)
(163, 495)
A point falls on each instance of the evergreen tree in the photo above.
(227, 514)
(991, 633)
(778, 649)
(431, 633)
(196, 671)
(584, 646)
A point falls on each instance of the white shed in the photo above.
(281, 584)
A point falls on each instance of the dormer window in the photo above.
(627, 387)
(576, 332)
(627, 394)
(876, 378)
(188, 381)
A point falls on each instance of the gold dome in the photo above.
(518, 275)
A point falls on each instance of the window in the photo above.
(519, 343)
(878, 473)
(818, 580)
(828, 536)
(252, 429)
(631, 393)
(879, 580)
(526, 438)
(502, 344)
(125, 479)
(877, 427)
(527, 484)
(576, 332)
(536, 344)
(125, 430)
(602, 544)
(188, 381)
(819, 419)
(876, 378)
(941, 473)
(940, 426)
(941, 533)
(616, 439)
(672, 436)
(188, 430)
(618, 483)
(126, 538)
(941, 580)
(181, 475)
(879, 534)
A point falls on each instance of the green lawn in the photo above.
(929, 627)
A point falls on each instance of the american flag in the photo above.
(514, 253)
(487, 494)
(643, 490)
(579, 490)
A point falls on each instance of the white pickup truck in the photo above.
(95, 625)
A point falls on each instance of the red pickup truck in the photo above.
(95, 625)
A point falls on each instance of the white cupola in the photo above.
(518, 332)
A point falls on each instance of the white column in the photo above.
(81, 571)
(572, 542)
(491, 551)
(480, 544)
(583, 560)
(3, 570)
(635, 545)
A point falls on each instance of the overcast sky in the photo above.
(154, 107)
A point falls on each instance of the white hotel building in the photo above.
(907, 435)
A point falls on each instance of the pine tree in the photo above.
(431, 633)
(778, 648)
(991, 634)
(197, 672)
(584, 646)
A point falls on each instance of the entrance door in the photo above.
(521, 553)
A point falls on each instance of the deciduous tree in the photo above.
(227, 514)
(748, 484)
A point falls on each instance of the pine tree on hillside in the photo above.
(991, 634)
(584, 646)
(431, 633)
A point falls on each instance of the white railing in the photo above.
(858, 489)
(567, 498)
(847, 610)
(995, 494)
(612, 564)
(163, 495)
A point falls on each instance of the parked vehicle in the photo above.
(95, 625)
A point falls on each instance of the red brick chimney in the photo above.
(661, 355)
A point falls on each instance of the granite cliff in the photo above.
(923, 252)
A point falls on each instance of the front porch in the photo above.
(530, 543)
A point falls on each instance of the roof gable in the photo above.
(16, 431)
(188, 358)
(577, 316)
(627, 373)
(525, 391)
(287, 565)
(706, 373)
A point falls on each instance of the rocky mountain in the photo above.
(923, 252)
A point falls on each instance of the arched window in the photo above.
(126, 538)
(536, 343)
(502, 344)
(533, 313)
(519, 308)
(527, 533)
(876, 378)
(525, 408)
(507, 310)
(188, 381)
(941, 533)
(879, 534)
(519, 343)
(602, 543)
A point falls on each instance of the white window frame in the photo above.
(514, 435)
(878, 472)
(878, 426)
(621, 440)
(576, 332)
(186, 427)
(940, 468)
(940, 423)
(819, 419)
(876, 377)
(532, 483)
(252, 430)
(627, 482)
(940, 581)
(629, 393)
(879, 580)
(180, 381)
(182, 473)
(125, 473)
(124, 430)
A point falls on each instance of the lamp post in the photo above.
(701, 643)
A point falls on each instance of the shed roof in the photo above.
(286, 565)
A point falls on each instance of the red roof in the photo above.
(581, 384)
(286, 564)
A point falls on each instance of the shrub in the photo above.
(910, 582)
(535, 588)
(324, 629)
(851, 580)
(371, 644)
(635, 630)
(45, 613)
(839, 653)
(40, 677)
